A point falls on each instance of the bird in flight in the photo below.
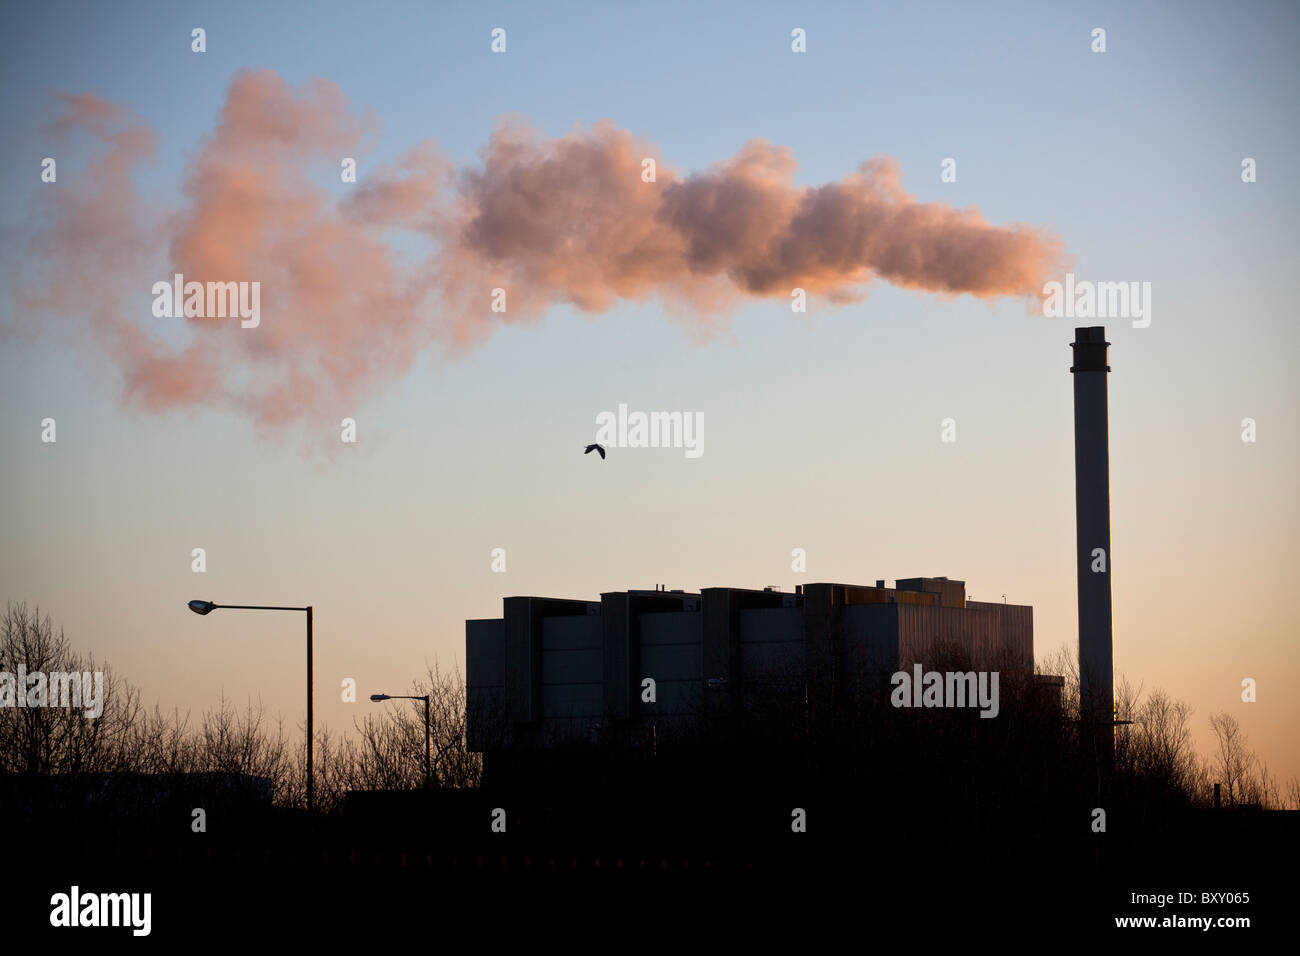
(599, 448)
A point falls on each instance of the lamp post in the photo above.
(428, 764)
(207, 607)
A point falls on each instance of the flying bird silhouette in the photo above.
(599, 448)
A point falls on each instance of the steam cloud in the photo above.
(353, 289)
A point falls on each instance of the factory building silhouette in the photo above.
(635, 667)
(554, 674)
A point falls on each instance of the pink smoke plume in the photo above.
(570, 220)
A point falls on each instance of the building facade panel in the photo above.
(572, 700)
(571, 632)
(670, 627)
(579, 666)
(676, 697)
(485, 681)
(767, 661)
(665, 662)
(870, 639)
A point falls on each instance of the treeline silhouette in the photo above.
(386, 751)
(811, 790)
(1030, 770)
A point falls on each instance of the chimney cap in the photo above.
(1089, 347)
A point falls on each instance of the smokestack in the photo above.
(1092, 522)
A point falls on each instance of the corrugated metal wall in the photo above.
(1016, 622)
(980, 631)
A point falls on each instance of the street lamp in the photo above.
(207, 607)
(428, 764)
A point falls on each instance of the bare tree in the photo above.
(232, 744)
(1164, 737)
(1234, 766)
(158, 743)
(390, 748)
(57, 739)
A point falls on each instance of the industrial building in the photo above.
(640, 666)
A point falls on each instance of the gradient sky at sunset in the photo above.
(821, 430)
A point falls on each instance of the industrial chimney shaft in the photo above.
(1092, 523)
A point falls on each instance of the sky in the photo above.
(822, 430)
